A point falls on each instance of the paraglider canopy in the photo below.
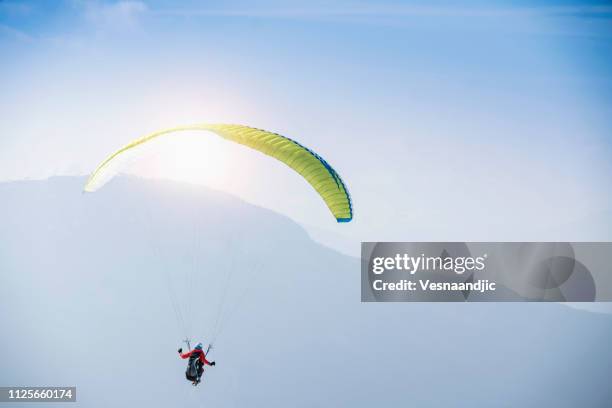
(311, 166)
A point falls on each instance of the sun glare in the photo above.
(193, 157)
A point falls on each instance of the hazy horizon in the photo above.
(95, 305)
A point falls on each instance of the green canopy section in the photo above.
(317, 172)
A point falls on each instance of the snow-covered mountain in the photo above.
(84, 301)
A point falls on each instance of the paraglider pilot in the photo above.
(197, 360)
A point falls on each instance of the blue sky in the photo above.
(447, 120)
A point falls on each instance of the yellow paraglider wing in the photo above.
(321, 176)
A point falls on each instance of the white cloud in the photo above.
(118, 14)
(393, 10)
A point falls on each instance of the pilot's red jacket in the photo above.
(196, 352)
